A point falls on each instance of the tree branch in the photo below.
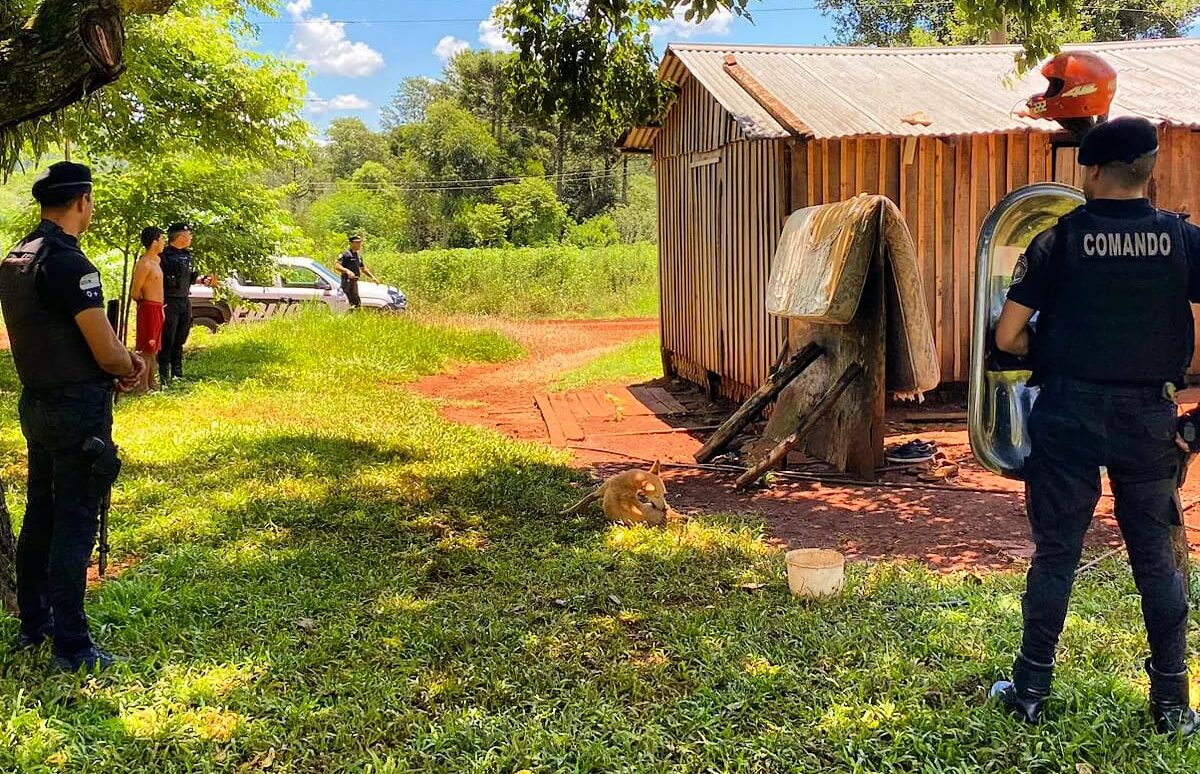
(68, 50)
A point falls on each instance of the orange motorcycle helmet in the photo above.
(1082, 85)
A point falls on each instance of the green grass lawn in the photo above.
(638, 361)
(332, 579)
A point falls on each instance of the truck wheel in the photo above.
(206, 322)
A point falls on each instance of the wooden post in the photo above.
(753, 406)
(807, 420)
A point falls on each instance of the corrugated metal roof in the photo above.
(845, 92)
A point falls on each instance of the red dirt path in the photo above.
(961, 529)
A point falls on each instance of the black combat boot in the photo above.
(1170, 704)
(90, 660)
(1028, 691)
(27, 641)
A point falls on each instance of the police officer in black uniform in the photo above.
(179, 274)
(350, 264)
(1111, 284)
(67, 357)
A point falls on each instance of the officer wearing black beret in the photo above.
(68, 359)
(1111, 283)
(179, 274)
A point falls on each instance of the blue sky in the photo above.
(355, 66)
(358, 51)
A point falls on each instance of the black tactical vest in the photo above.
(177, 272)
(47, 346)
(1122, 312)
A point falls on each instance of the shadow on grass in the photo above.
(368, 602)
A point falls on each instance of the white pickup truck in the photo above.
(294, 281)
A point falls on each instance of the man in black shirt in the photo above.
(179, 274)
(1111, 283)
(351, 266)
(67, 357)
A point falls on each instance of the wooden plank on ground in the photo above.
(606, 404)
(668, 400)
(624, 401)
(550, 417)
(578, 412)
(594, 407)
(562, 409)
(643, 396)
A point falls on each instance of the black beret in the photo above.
(176, 228)
(62, 181)
(355, 238)
(1125, 139)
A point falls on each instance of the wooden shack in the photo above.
(757, 132)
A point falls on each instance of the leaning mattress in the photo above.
(821, 267)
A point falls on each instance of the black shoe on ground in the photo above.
(26, 641)
(1026, 694)
(91, 660)
(1170, 704)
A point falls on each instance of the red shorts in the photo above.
(149, 326)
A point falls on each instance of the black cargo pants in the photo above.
(66, 485)
(1075, 429)
(177, 323)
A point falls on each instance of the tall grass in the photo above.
(559, 281)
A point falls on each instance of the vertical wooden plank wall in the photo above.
(723, 200)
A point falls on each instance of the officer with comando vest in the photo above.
(1111, 284)
(69, 361)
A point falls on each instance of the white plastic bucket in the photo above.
(815, 572)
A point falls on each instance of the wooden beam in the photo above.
(750, 410)
(769, 102)
(822, 407)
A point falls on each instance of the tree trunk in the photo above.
(8, 558)
(68, 50)
(560, 156)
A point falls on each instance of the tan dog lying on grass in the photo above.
(633, 497)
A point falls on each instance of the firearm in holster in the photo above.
(106, 466)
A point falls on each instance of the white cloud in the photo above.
(323, 46)
(491, 35)
(679, 28)
(450, 47)
(340, 103)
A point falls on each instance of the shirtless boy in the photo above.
(147, 290)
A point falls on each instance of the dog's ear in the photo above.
(655, 468)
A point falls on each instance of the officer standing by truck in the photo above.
(67, 357)
(350, 264)
(1112, 283)
(179, 274)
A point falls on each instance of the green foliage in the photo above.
(487, 225)
(635, 362)
(559, 281)
(912, 22)
(591, 64)
(352, 144)
(600, 231)
(191, 82)
(412, 100)
(534, 213)
(237, 222)
(451, 144)
(355, 206)
(637, 221)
